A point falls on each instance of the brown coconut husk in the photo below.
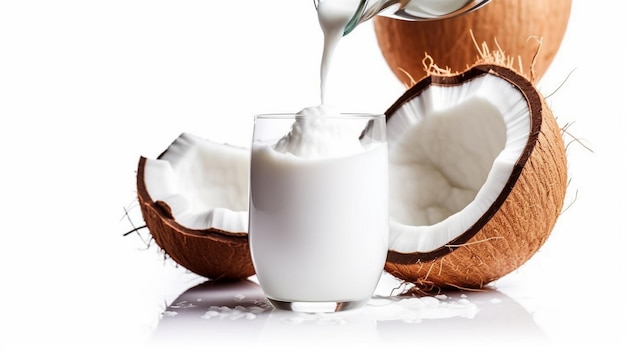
(212, 253)
(513, 22)
(521, 219)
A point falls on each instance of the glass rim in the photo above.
(342, 115)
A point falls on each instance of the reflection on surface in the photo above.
(215, 311)
(490, 317)
(231, 313)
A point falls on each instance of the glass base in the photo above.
(317, 307)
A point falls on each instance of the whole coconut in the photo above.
(518, 27)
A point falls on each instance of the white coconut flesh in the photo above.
(452, 150)
(204, 183)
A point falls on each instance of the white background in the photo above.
(87, 87)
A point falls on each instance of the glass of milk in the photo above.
(318, 225)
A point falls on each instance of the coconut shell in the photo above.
(520, 220)
(515, 25)
(212, 253)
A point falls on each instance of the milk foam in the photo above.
(317, 133)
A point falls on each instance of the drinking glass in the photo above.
(318, 226)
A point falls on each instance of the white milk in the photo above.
(318, 199)
(333, 16)
(319, 226)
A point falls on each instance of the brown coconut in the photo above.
(521, 219)
(211, 252)
(518, 26)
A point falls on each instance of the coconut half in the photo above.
(477, 177)
(194, 200)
